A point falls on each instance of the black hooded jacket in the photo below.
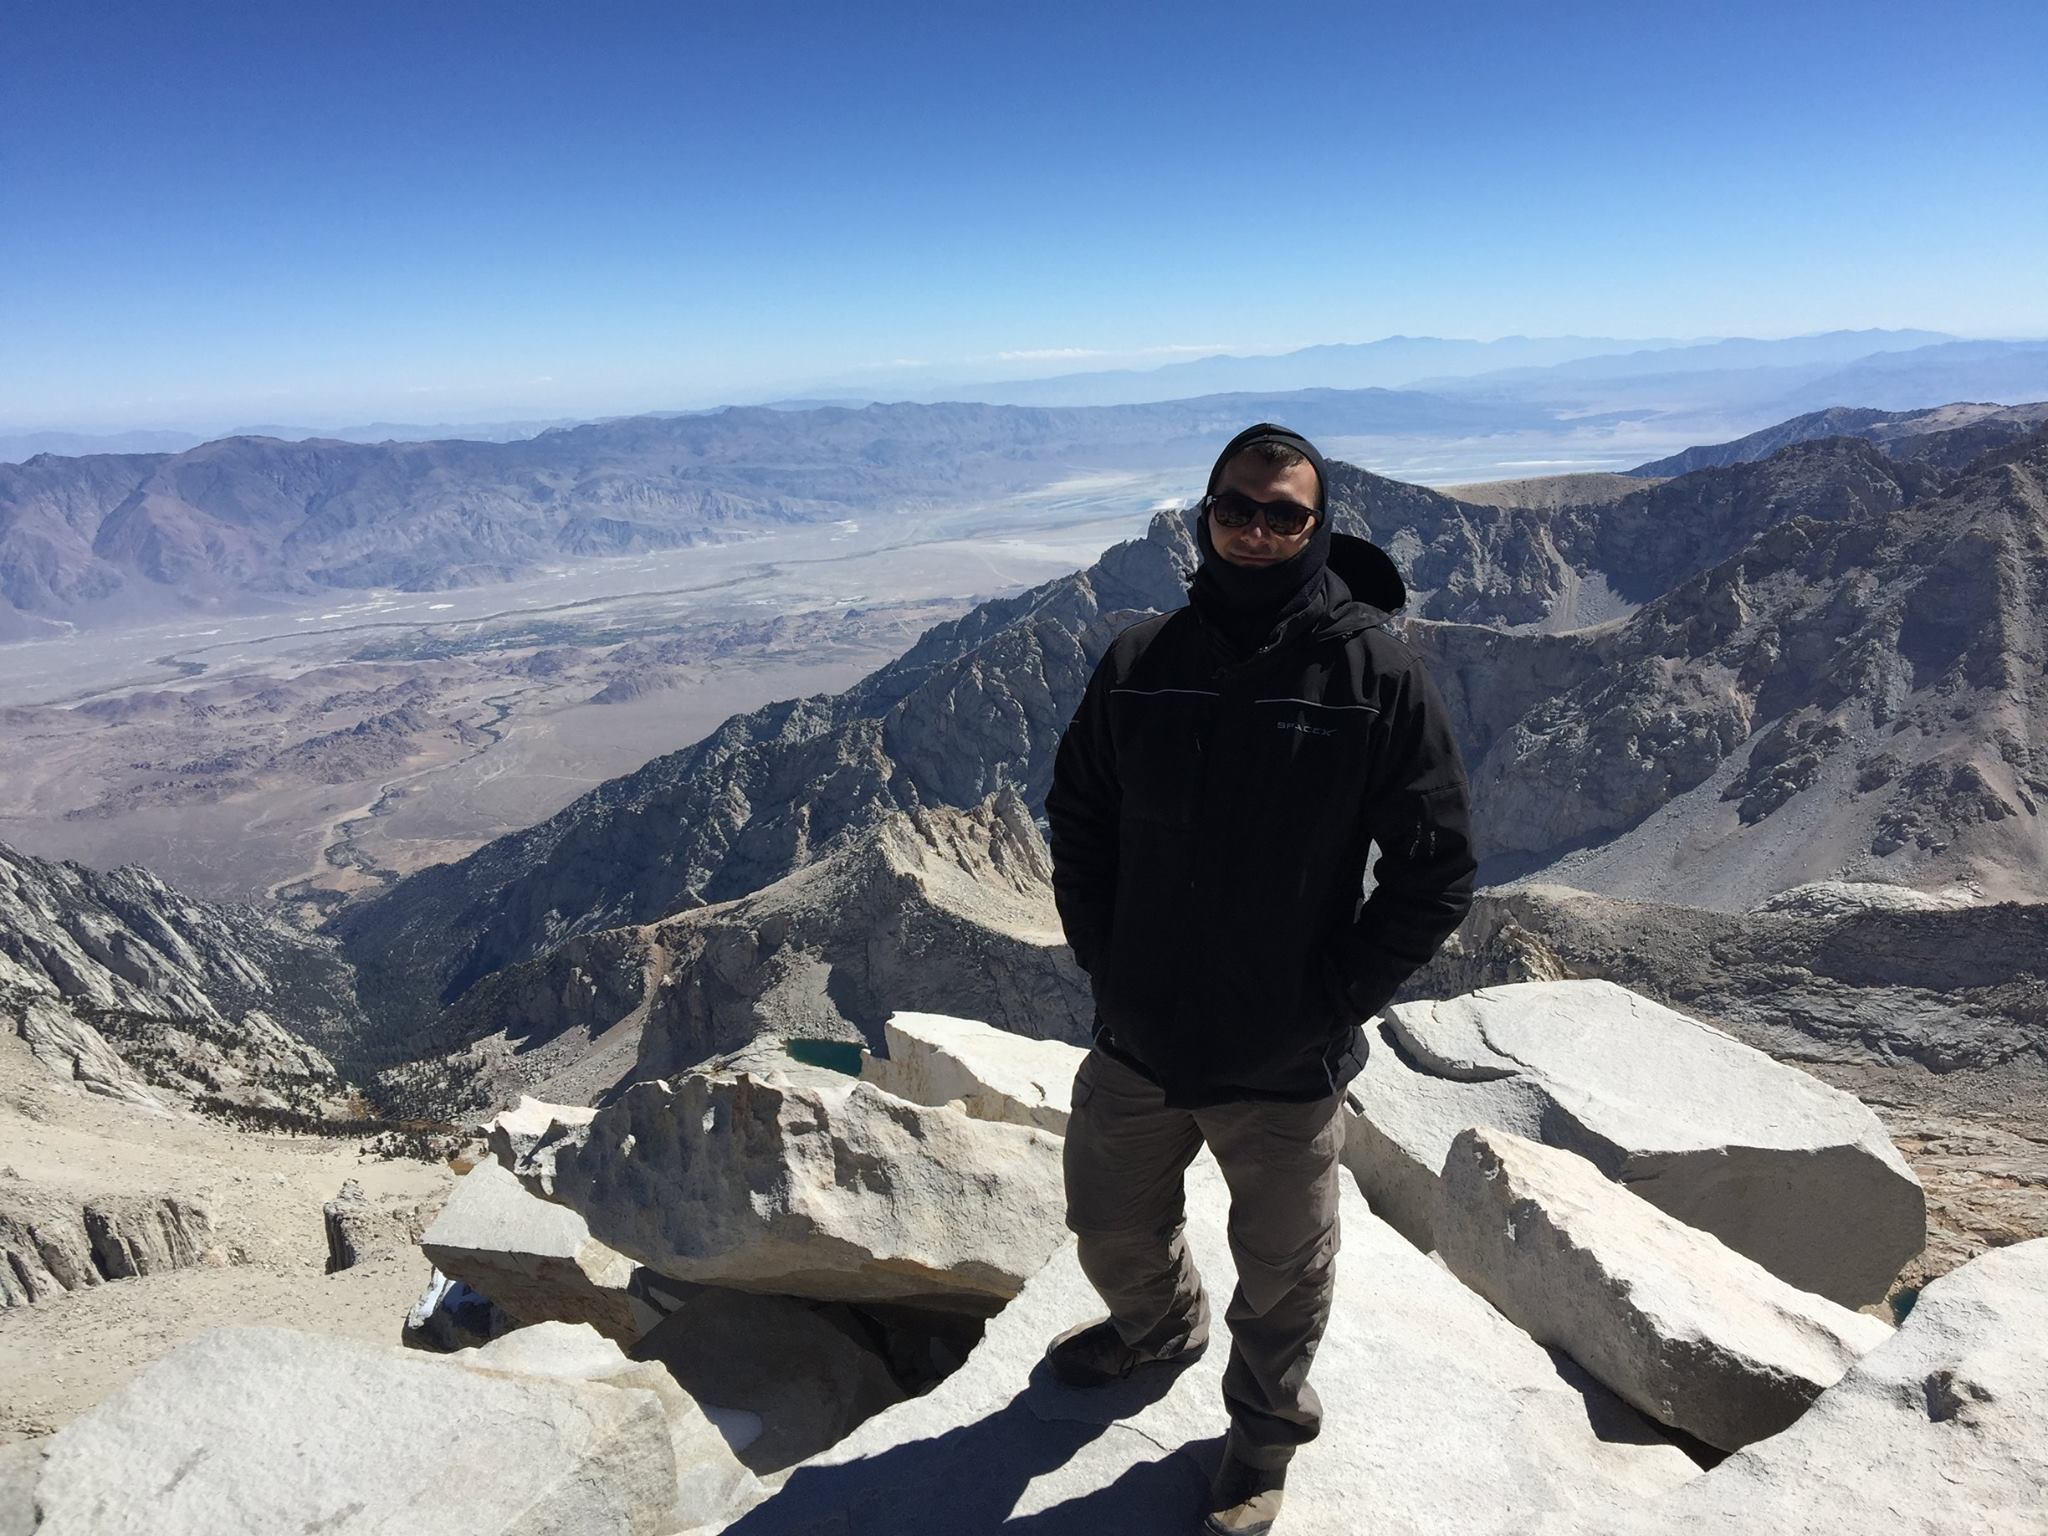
(1211, 815)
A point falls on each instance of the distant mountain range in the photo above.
(1824, 663)
(1425, 362)
(83, 539)
(1390, 363)
(1843, 365)
(17, 446)
(119, 537)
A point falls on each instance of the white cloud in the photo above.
(1060, 354)
(1040, 354)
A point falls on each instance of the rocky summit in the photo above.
(1554, 1368)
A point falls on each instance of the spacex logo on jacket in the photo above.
(1305, 728)
(1211, 815)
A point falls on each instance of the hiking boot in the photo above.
(1095, 1354)
(1244, 1499)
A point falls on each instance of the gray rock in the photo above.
(358, 1226)
(78, 1053)
(1684, 1328)
(1863, 994)
(51, 1243)
(254, 1431)
(711, 1484)
(21, 1466)
(989, 1073)
(1794, 1174)
(832, 1190)
(535, 1259)
(519, 1138)
(1941, 1431)
(1887, 978)
(1441, 1416)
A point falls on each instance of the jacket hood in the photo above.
(1368, 571)
(1272, 432)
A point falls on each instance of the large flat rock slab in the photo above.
(711, 1483)
(257, 1431)
(1794, 1174)
(535, 1259)
(832, 1189)
(1940, 1431)
(1674, 1321)
(988, 1072)
(1441, 1418)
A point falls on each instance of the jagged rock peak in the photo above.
(123, 984)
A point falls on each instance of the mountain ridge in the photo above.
(1888, 429)
(977, 704)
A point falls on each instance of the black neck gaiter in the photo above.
(1246, 603)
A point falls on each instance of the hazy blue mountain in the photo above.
(2004, 371)
(416, 432)
(17, 446)
(1388, 363)
(1825, 348)
(1438, 363)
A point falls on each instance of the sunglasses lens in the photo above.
(1234, 509)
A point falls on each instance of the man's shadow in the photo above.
(970, 1479)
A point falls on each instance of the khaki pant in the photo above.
(1126, 1154)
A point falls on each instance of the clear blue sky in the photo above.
(321, 211)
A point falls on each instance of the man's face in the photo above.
(1255, 544)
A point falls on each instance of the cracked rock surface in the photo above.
(1676, 1323)
(1796, 1175)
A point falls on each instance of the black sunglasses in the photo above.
(1234, 509)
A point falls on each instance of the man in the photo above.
(1212, 809)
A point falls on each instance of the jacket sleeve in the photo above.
(1421, 819)
(1081, 814)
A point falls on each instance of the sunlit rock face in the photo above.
(134, 991)
(1794, 1174)
(1678, 1324)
